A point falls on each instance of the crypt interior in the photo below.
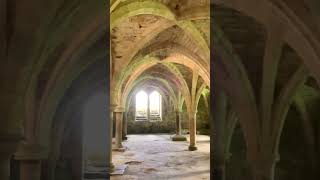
(160, 89)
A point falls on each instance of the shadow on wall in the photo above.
(294, 162)
(237, 167)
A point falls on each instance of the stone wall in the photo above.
(168, 123)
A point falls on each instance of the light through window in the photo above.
(141, 106)
(155, 106)
(148, 107)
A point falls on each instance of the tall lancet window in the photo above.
(155, 106)
(141, 106)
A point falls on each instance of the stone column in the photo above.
(219, 172)
(30, 170)
(110, 165)
(263, 173)
(218, 134)
(5, 166)
(193, 130)
(263, 168)
(178, 136)
(219, 166)
(30, 156)
(148, 108)
(125, 126)
(118, 112)
(8, 146)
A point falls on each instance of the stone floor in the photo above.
(157, 157)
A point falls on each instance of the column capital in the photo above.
(263, 165)
(28, 151)
(270, 158)
(119, 109)
(228, 156)
(112, 107)
(193, 112)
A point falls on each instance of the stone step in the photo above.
(141, 119)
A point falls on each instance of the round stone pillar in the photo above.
(265, 173)
(193, 130)
(118, 112)
(8, 146)
(118, 116)
(178, 136)
(110, 165)
(263, 168)
(219, 173)
(30, 170)
(125, 126)
(219, 166)
(178, 123)
(30, 156)
(4, 167)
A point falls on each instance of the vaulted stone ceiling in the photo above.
(164, 39)
(45, 45)
(265, 58)
(248, 39)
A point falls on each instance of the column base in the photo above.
(193, 148)
(122, 149)
(110, 169)
(30, 156)
(119, 170)
(100, 173)
(124, 138)
(179, 138)
(8, 145)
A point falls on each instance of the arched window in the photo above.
(141, 106)
(155, 106)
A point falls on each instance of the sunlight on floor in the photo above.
(157, 157)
